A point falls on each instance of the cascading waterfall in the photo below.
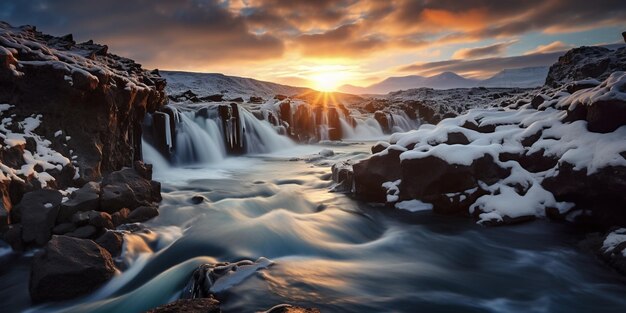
(195, 144)
(259, 136)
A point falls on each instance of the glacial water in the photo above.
(328, 250)
(335, 253)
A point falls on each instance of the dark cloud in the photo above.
(478, 52)
(190, 33)
(487, 66)
(175, 34)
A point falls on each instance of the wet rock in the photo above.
(379, 146)
(69, 267)
(86, 198)
(38, 212)
(256, 100)
(120, 217)
(200, 305)
(197, 199)
(327, 153)
(370, 174)
(142, 214)
(383, 121)
(112, 241)
(100, 220)
(343, 176)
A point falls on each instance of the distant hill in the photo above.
(205, 84)
(522, 78)
(527, 77)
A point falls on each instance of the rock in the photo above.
(126, 188)
(200, 305)
(370, 174)
(5, 204)
(120, 217)
(379, 146)
(383, 120)
(100, 220)
(86, 198)
(38, 212)
(343, 176)
(69, 267)
(599, 194)
(63, 228)
(606, 116)
(586, 62)
(326, 153)
(112, 241)
(457, 138)
(106, 134)
(142, 214)
(197, 199)
(256, 100)
(84, 232)
(13, 236)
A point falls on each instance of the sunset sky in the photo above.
(357, 42)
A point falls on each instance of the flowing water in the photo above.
(330, 251)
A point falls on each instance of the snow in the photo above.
(569, 143)
(414, 206)
(614, 239)
(392, 190)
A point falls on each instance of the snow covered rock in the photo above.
(515, 163)
(586, 62)
(81, 104)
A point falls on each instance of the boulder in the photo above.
(112, 241)
(606, 116)
(142, 214)
(120, 217)
(69, 267)
(84, 232)
(126, 188)
(370, 174)
(86, 198)
(343, 176)
(38, 212)
(200, 305)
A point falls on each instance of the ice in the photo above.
(414, 206)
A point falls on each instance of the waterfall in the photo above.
(260, 136)
(194, 144)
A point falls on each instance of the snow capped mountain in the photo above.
(528, 77)
(206, 84)
(509, 78)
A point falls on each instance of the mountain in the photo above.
(528, 77)
(445, 80)
(206, 84)
(522, 78)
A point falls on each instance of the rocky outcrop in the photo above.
(558, 153)
(89, 103)
(69, 267)
(584, 63)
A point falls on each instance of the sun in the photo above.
(327, 78)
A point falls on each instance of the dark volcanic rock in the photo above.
(86, 198)
(84, 232)
(142, 214)
(111, 241)
(67, 268)
(370, 174)
(586, 62)
(96, 98)
(606, 116)
(199, 305)
(126, 188)
(38, 212)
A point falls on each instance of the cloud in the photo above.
(182, 34)
(478, 52)
(551, 47)
(483, 67)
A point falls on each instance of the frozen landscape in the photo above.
(124, 189)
